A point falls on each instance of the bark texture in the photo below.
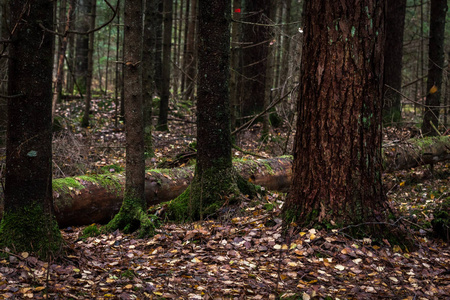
(393, 54)
(435, 66)
(255, 50)
(28, 223)
(166, 66)
(216, 182)
(132, 215)
(337, 156)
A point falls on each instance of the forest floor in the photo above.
(241, 256)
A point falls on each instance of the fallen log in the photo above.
(84, 200)
(401, 155)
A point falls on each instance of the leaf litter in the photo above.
(248, 257)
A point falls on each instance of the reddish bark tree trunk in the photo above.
(337, 157)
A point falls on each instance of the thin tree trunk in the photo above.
(82, 45)
(235, 75)
(159, 46)
(395, 24)
(270, 72)
(186, 27)
(436, 61)
(62, 53)
(190, 63)
(108, 52)
(148, 68)
(255, 50)
(132, 215)
(90, 67)
(166, 67)
(117, 80)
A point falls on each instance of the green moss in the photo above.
(128, 274)
(110, 182)
(214, 189)
(290, 215)
(90, 231)
(30, 229)
(269, 168)
(133, 217)
(64, 185)
(441, 221)
(269, 206)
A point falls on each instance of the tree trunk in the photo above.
(166, 66)
(337, 157)
(235, 72)
(256, 45)
(270, 72)
(148, 69)
(132, 214)
(393, 54)
(82, 46)
(159, 45)
(435, 66)
(190, 60)
(28, 223)
(215, 182)
(4, 34)
(90, 70)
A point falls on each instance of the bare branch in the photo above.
(89, 31)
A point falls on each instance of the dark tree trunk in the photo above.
(337, 157)
(256, 45)
(4, 34)
(186, 27)
(235, 76)
(70, 80)
(28, 223)
(148, 68)
(62, 22)
(82, 45)
(190, 60)
(393, 54)
(132, 214)
(90, 70)
(159, 46)
(436, 65)
(215, 181)
(166, 66)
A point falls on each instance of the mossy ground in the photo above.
(441, 221)
(30, 229)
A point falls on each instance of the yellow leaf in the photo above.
(397, 249)
(39, 288)
(402, 183)
(24, 254)
(433, 89)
